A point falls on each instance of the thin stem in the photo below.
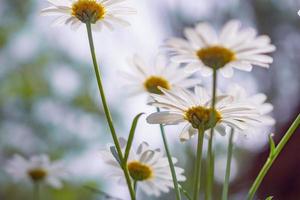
(228, 166)
(198, 164)
(171, 164)
(272, 157)
(210, 152)
(185, 193)
(36, 191)
(107, 111)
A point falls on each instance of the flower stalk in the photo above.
(198, 163)
(272, 157)
(107, 112)
(36, 191)
(171, 164)
(228, 166)
(210, 153)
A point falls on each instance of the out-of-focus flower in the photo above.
(194, 109)
(146, 78)
(148, 167)
(204, 49)
(37, 169)
(97, 12)
(257, 100)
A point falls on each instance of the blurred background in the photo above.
(49, 101)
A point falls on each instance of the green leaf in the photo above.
(131, 136)
(272, 145)
(269, 198)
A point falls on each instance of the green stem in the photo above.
(185, 193)
(272, 157)
(36, 191)
(210, 153)
(228, 166)
(171, 164)
(198, 164)
(107, 112)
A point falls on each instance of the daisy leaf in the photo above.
(131, 136)
(272, 145)
(269, 198)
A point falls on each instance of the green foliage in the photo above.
(131, 135)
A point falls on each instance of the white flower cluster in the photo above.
(173, 87)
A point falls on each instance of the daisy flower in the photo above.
(146, 78)
(148, 167)
(194, 109)
(99, 13)
(36, 169)
(257, 100)
(234, 47)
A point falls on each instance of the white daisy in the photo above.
(234, 47)
(257, 100)
(194, 109)
(146, 78)
(97, 12)
(36, 169)
(147, 166)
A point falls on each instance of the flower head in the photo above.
(194, 109)
(99, 13)
(147, 78)
(234, 47)
(36, 169)
(147, 166)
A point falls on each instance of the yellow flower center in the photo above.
(139, 171)
(216, 56)
(153, 82)
(200, 116)
(88, 11)
(37, 174)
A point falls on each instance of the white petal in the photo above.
(227, 71)
(187, 133)
(207, 34)
(118, 20)
(193, 37)
(192, 67)
(229, 31)
(245, 66)
(184, 59)
(202, 95)
(165, 117)
(206, 71)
